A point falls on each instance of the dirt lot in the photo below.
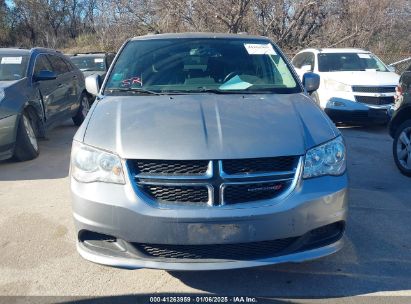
(38, 256)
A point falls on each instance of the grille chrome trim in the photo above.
(216, 180)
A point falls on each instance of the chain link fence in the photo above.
(387, 58)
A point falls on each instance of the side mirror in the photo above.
(311, 81)
(93, 84)
(307, 68)
(391, 68)
(45, 75)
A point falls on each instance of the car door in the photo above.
(65, 91)
(76, 79)
(48, 89)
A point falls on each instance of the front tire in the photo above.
(82, 111)
(26, 142)
(402, 148)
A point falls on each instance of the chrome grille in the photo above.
(218, 182)
(371, 89)
(375, 100)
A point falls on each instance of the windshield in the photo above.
(89, 63)
(200, 65)
(12, 67)
(339, 62)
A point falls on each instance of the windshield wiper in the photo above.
(215, 91)
(133, 90)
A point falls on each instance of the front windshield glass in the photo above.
(341, 62)
(89, 63)
(200, 65)
(13, 67)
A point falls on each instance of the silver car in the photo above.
(204, 151)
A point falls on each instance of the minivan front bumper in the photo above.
(122, 218)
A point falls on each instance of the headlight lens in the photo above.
(327, 159)
(337, 86)
(89, 164)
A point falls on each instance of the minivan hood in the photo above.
(207, 126)
(364, 78)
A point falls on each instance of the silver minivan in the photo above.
(204, 151)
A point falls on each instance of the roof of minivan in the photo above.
(198, 35)
(336, 50)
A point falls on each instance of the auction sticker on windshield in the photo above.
(96, 60)
(259, 49)
(11, 60)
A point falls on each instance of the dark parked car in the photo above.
(400, 125)
(93, 63)
(39, 88)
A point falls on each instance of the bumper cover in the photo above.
(130, 263)
(117, 211)
(342, 110)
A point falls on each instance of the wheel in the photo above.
(26, 141)
(402, 148)
(82, 111)
(315, 97)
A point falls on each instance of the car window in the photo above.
(69, 64)
(336, 62)
(42, 64)
(309, 60)
(109, 59)
(12, 66)
(59, 66)
(299, 59)
(89, 63)
(193, 64)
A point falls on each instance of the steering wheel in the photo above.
(229, 76)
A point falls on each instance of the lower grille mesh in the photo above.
(241, 251)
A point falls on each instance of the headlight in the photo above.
(327, 159)
(336, 86)
(89, 164)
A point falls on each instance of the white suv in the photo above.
(356, 86)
